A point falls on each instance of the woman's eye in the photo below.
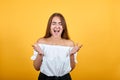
(53, 23)
(60, 23)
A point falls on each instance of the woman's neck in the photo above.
(55, 37)
(55, 40)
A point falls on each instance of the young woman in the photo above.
(55, 54)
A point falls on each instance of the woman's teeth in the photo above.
(56, 30)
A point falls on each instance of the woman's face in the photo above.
(56, 27)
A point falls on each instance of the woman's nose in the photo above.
(57, 25)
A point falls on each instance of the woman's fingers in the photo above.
(81, 45)
(37, 48)
(78, 46)
(34, 45)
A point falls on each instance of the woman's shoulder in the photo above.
(65, 41)
(41, 40)
(69, 42)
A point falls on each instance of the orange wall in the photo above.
(94, 23)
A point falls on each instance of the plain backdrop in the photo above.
(93, 23)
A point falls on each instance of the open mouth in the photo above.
(56, 31)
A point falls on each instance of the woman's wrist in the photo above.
(40, 54)
(72, 53)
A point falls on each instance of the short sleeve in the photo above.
(75, 55)
(35, 53)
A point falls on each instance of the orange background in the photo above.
(94, 23)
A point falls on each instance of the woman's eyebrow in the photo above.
(56, 22)
(59, 22)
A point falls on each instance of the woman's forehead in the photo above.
(56, 18)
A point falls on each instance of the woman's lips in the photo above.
(56, 30)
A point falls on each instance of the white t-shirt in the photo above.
(56, 59)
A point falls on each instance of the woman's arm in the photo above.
(75, 49)
(38, 61)
(72, 61)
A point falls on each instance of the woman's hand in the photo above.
(76, 48)
(37, 48)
